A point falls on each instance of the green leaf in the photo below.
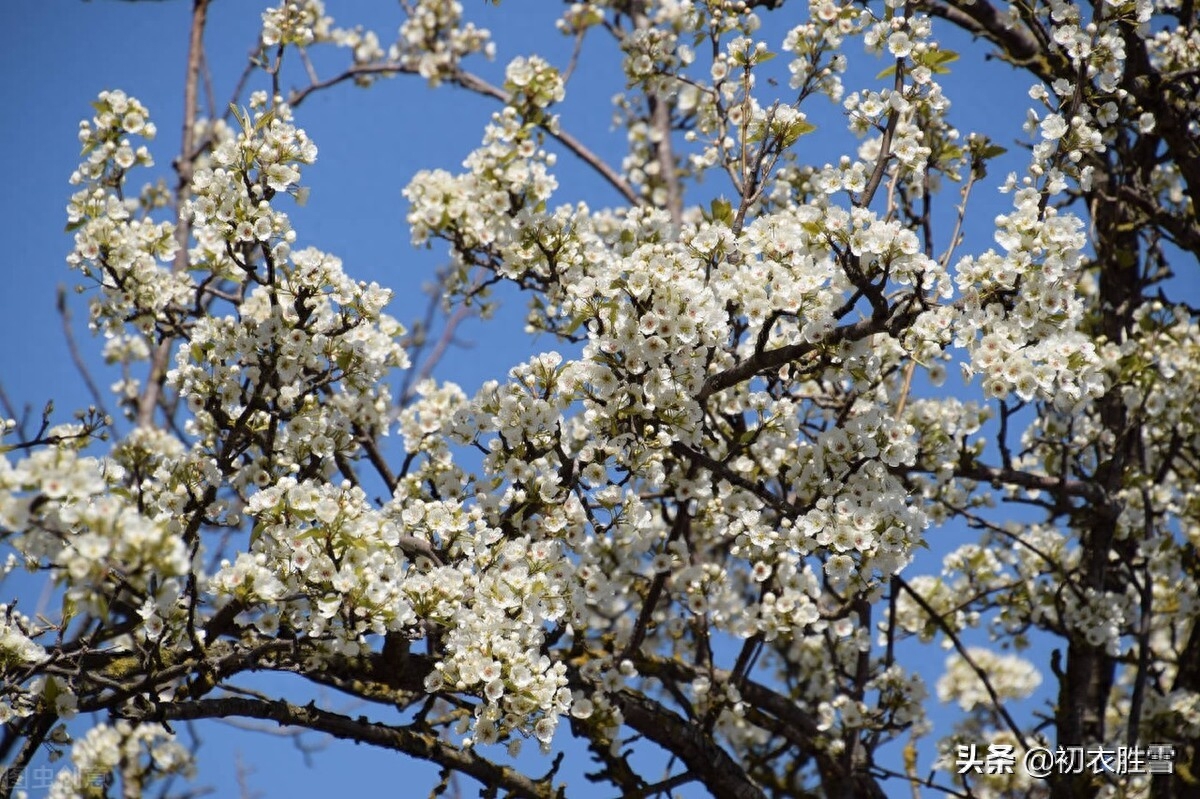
(800, 127)
(722, 211)
(241, 116)
(51, 691)
(937, 60)
(577, 321)
(68, 611)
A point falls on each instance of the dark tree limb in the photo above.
(412, 740)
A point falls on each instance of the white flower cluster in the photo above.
(509, 169)
(946, 429)
(492, 603)
(141, 752)
(653, 53)
(113, 247)
(298, 22)
(728, 452)
(657, 56)
(1174, 710)
(328, 550)
(1010, 677)
(655, 309)
(312, 330)
(329, 565)
(534, 85)
(16, 647)
(230, 208)
(18, 653)
(1101, 617)
(305, 23)
(1022, 309)
(815, 46)
(942, 597)
(494, 609)
(64, 512)
(434, 39)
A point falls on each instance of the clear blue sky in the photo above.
(56, 55)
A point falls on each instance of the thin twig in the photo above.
(909, 368)
(956, 236)
(64, 313)
(461, 313)
(476, 84)
(961, 648)
(575, 52)
(10, 410)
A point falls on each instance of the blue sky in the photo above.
(56, 55)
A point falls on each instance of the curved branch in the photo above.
(474, 83)
(410, 740)
(34, 731)
(1018, 46)
(786, 718)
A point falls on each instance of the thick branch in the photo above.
(660, 120)
(766, 360)
(1091, 492)
(800, 727)
(1174, 112)
(709, 763)
(1017, 45)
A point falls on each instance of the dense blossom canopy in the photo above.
(691, 525)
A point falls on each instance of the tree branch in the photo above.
(709, 763)
(478, 85)
(184, 167)
(763, 361)
(414, 741)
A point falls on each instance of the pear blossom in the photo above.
(695, 514)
